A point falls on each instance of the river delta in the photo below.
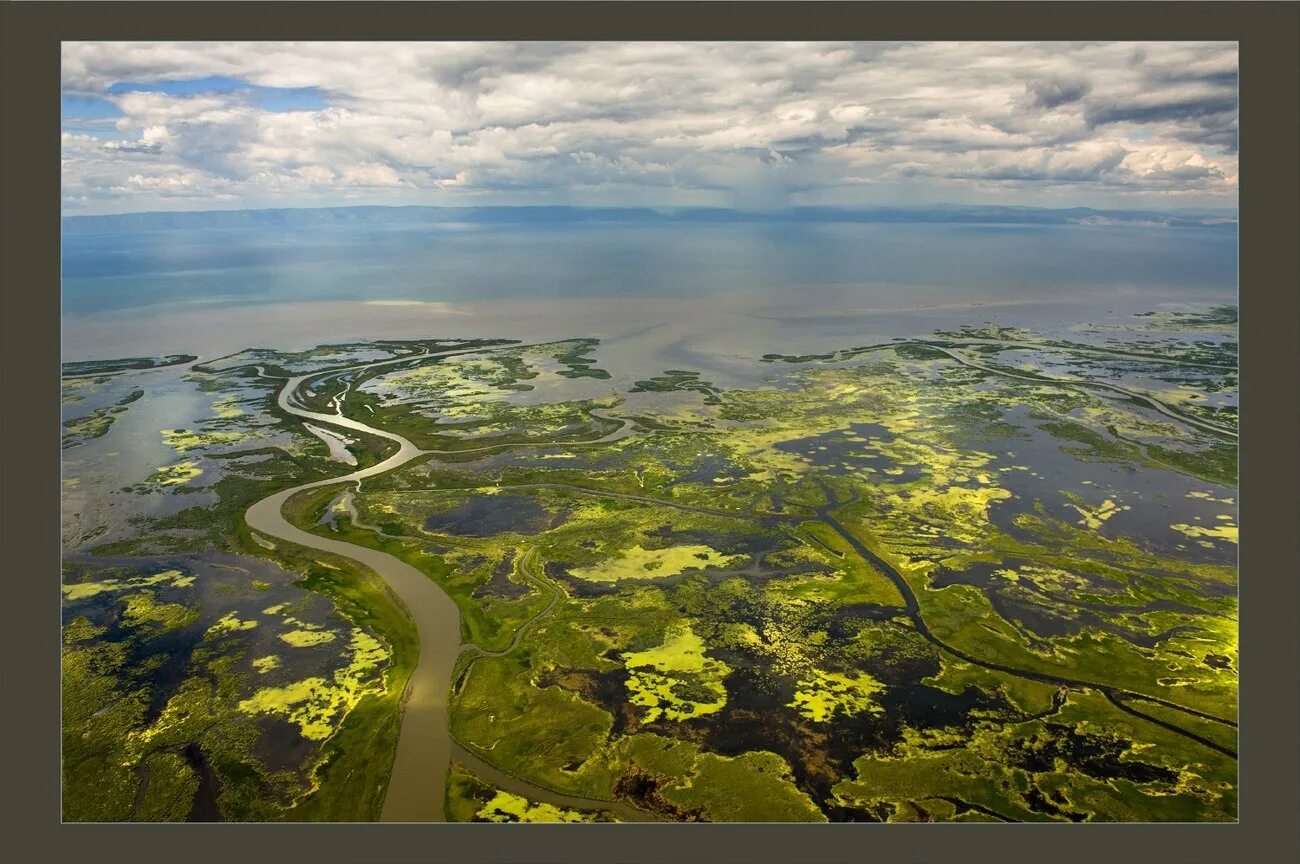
(970, 572)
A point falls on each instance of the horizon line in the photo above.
(661, 209)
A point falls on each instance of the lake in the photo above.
(132, 292)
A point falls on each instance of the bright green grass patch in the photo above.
(144, 608)
(470, 798)
(176, 473)
(306, 638)
(83, 590)
(314, 704)
(266, 664)
(676, 681)
(508, 807)
(229, 623)
(638, 563)
(1094, 517)
(1218, 532)
(185, 440)
(822, 695)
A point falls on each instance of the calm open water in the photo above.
(215, 290)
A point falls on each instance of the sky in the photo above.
(202, 126)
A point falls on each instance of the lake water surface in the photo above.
(795, 284)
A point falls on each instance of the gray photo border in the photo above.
(1267, 35)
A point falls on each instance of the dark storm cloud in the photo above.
(1052, 94)
(1224, 107)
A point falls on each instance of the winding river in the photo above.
(418, 782)
(417, 787)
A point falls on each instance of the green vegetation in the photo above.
(126, 760)
(96, 423)
(677, 380)
(676, 680)
(472, 799)
(166, 685)
(947, 578)
(107, 367)
(637, 563)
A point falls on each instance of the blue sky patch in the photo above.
(266, 98)
(88, 108)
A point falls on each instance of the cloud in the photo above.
(1210, 105)
(745, 124)
(1054, 93)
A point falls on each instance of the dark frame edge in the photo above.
(1270, 220)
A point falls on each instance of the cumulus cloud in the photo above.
(743, 124)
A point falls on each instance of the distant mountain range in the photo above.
(328, 216)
